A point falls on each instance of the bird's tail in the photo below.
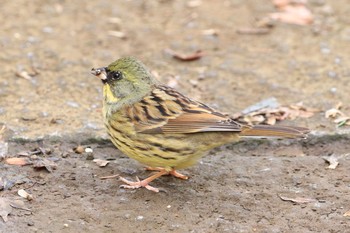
(275, 131)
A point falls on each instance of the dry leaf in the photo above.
(5, 208)
(340, 121)
(332, 160)
(183, 57)
(258, 114)
(19, 204)
(25, 194)
(45, 163)
(296, 13)
(298, 200)
(333, 112)
(210, 32)
(347, 214)
(118, 34)
(101, 162)
(18, 161)
(194, 3)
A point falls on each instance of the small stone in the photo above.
(64, 155)
(333, 90)
(332, 74)
(140, 217)
(79, 149)
(88, 150)
(30, 223)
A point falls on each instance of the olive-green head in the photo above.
(125, 79)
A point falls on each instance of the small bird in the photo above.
(163, 129)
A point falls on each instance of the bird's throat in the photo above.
(108, 95)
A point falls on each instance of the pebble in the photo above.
(332, 74)
(140, 217)
(72, 104)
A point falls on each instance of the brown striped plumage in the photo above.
(162, 128)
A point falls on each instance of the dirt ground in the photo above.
(236, 188)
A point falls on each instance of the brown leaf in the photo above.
(45, 163)
(333, 112)
(183, 57)
(18, 161)
(296, 13)
(332, 160)
(347, 214)
(101, 162)
(5, 208)
(298, 200)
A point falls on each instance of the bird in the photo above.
(163, 129)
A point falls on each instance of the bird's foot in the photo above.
(143, 183)
(135, 185)
(173, 172)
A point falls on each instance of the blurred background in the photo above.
(294, 51)
(262, 61)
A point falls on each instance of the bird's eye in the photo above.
(115, 75)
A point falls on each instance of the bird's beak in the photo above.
(100, 73)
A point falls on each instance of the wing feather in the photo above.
(167, 111)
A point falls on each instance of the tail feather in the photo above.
(275, 131)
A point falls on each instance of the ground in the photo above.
(235, 188)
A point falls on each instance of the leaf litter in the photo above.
(185, 57)
(338, 116)
(333, 160)
(270, 112)
(297, 200)
(32, 158)
(7, 205)
(292, 12)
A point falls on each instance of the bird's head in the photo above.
(125, 79)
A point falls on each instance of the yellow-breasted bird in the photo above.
(163, 129)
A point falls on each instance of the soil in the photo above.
(239, 187)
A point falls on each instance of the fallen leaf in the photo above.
(5, 208)
(194, 3)
(332, 160)
(118, 34)
(298, 200)
(45, 163)
(109, 177)
(347, 214)
(183, 57)
(210, 32)
(333, 112)
(24, 74)
(292, 12)
(340, 121)
(19, 204)
(25, 194)
(259, 114)
(18, 161)
(101, 162)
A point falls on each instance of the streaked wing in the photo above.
(167, 111)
